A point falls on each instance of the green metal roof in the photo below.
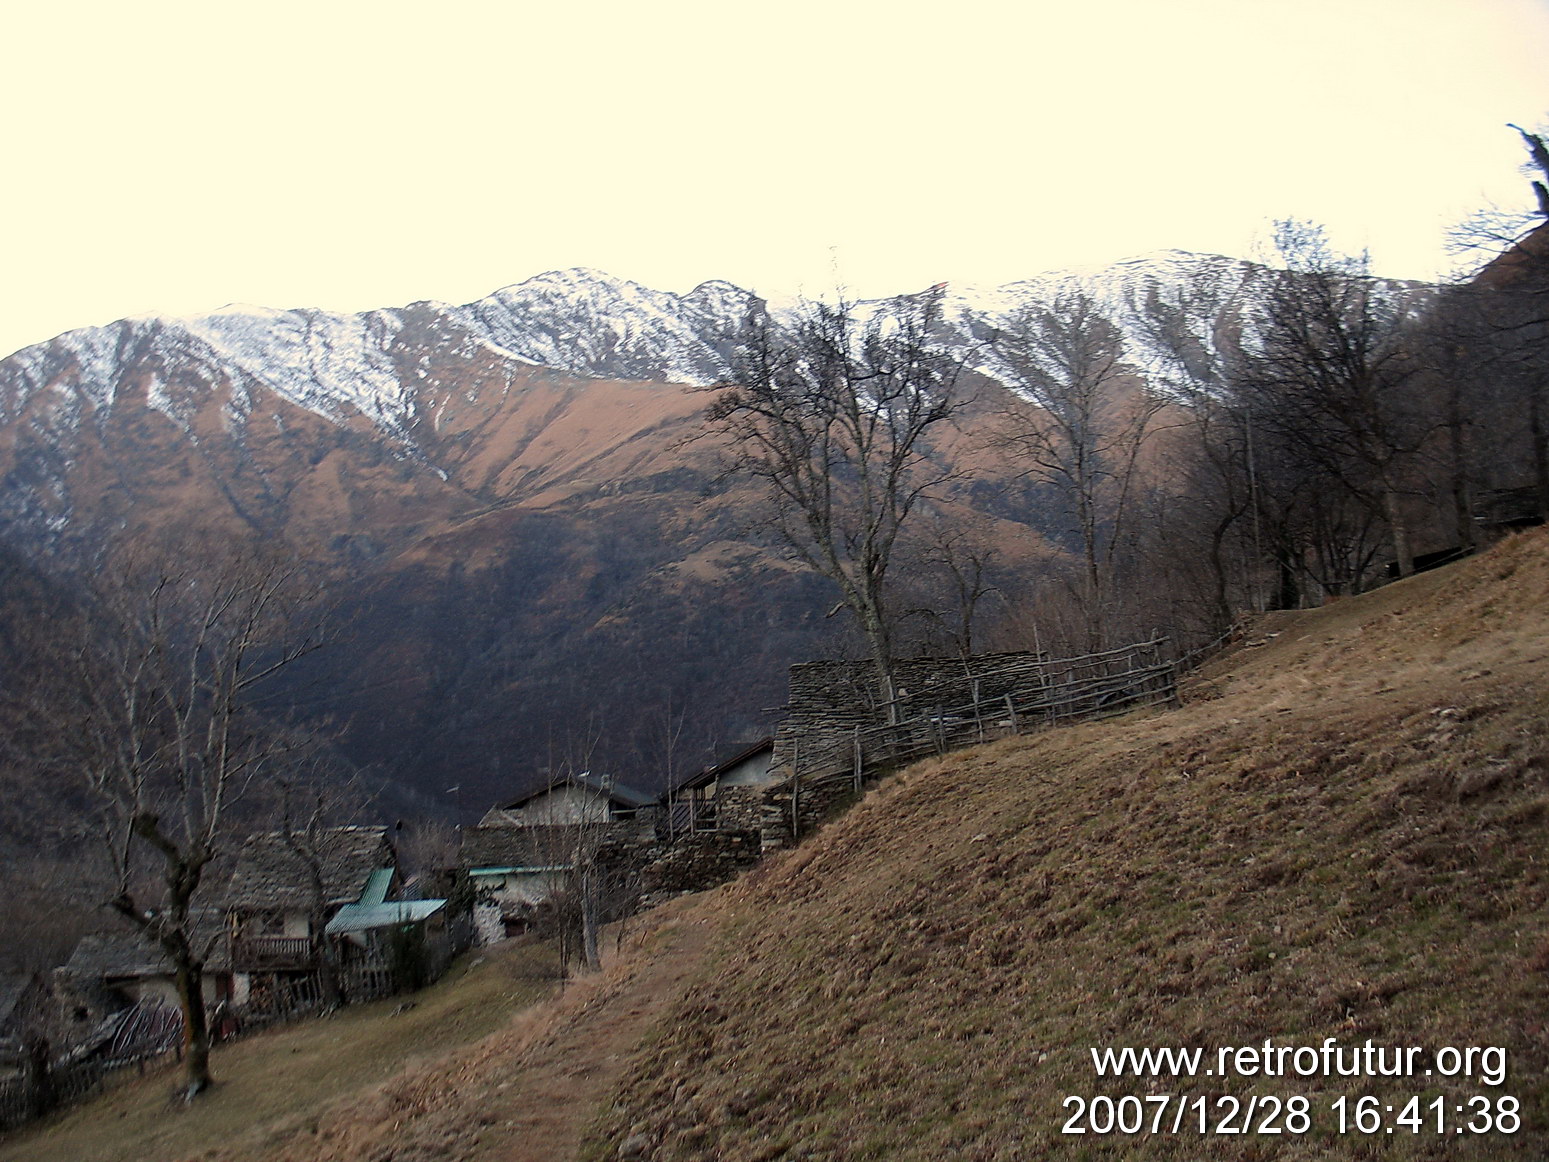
(363, 917)
(375, 891)
(503, 871)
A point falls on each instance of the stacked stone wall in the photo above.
(829, 700)
(740, 808)
(696, 860)
(815, 804)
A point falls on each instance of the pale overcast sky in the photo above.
(175, 157)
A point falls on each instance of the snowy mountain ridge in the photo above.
(578, 321)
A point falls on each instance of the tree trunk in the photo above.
(1092, 580)
(589, 921)
(1457, 442)
(1288, 590)
(196, 1029)
(1540, 438)
(874, 625)
(1403, 554)
(328, 975)
(1221, 595)
(39, 1078)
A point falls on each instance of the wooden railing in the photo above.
(260, 952)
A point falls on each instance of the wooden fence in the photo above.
(279, 1000)
(1044, 692)
(147, 1034)
(135, 1040)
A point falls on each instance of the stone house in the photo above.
(726, 795)
(573, 799)
(514, 868)
(112, 971)
(526, 851)
(271, 901)
(371, 928)
(285, 902)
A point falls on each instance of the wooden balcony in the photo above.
(256, 953)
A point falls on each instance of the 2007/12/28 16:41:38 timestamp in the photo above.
(1270, 1115)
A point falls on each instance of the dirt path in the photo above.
(547, 1100)
(527, 1093)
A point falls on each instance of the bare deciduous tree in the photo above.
(1497, 326)
(833, 414)
(1210, 466)
(1084, 430)
(312, 806)
(952, 566)
(153, 696)
(1331, 373)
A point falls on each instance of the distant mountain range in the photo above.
(544, 567)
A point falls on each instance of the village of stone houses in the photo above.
(316, 917)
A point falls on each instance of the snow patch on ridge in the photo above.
(587, 323)
(317, 360)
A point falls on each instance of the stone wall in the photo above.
(829, 700)
(740, 808)
(696, 860)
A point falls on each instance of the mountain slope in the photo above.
(240, 408)
(1341, 836)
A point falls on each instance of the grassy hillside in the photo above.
(283, 1083)
(1342, 835)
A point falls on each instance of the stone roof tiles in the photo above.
(270, 874)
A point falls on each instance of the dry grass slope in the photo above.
(285, 1085)
(1342, 835)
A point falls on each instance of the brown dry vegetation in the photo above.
(1341, 836)
(281, 1083)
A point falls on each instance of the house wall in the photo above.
(250, 924)
(489, 925)
(163, 989)
(740, 808)
(497, 896)
(753, 771)
(565, 804)
(518, 888)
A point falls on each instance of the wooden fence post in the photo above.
(795, 789)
